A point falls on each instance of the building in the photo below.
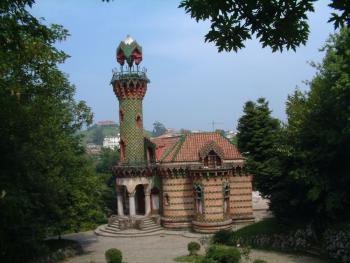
(111, 142)
(193, 181)
(106, 123)
(93, 149)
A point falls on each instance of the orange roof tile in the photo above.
(163, 145)
(186, 148)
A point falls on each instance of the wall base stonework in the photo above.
(211, 227)
(176, 223)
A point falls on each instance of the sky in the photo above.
(191, 83)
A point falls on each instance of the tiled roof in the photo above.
(186, 148)
(163, 145)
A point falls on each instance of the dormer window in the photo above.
(212, 160)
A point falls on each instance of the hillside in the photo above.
(96, 133)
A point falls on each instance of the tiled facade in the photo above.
(191, 181)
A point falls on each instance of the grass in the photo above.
(194, 259)
(265, 227)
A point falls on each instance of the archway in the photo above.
(123, 200)
(140, 199)
(154, 200)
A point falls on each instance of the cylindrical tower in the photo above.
(130, 85)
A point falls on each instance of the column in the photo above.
(147, 203)
(132, 204)
(120, 204)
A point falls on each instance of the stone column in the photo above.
(120, 204)
(132, 210)
(147, 203)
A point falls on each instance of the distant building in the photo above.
(93, 149)
(106, 123)
(111, 142)
(230, 134)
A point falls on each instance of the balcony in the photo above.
(127, 73)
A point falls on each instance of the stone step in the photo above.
(126, 234)
(112, 228)
(151, 229)
(149, 224)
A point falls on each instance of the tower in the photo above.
(130, 86)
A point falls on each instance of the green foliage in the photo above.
(158, 129)
(277, 24)
(89, 133)
(259, 261)
(267, 226)
(113, 255)
(97, 136)
(222, 254)
(223, 237)
(193, 248)
(108, 158)
(234, 140)
(192, 258)
(314, 152)
(258, 135)
(50, 185)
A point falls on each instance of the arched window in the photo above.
(198, 199)
(121, 116)
(226, 191)
(212, 160)
(138, 121)
(166, 199)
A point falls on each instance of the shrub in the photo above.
(193, 248)
(224, 237)
(113, 255)
(223, 254)
(259, 261)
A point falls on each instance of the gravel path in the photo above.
(157, 249)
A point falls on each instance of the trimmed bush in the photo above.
(224, 237)
(113, 255)
(259, 261)
(223, 254)
(193, 248)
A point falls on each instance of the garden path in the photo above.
(157, 249)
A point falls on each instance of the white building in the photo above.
(111, 142)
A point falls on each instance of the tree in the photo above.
(108, 159)
(49, 184)
(97, 137)
(158, 129)
(315, 178)
(257, 137)
(277, 24)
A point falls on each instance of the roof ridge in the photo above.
(181, 141)
(170, 150)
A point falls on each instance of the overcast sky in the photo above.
(191, 83)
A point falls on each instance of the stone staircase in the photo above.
(126, 227)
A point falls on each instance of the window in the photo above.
(226, 198)
(166, 199)
(212, 160)
(138, 121)
(121, 116)
(198, 197)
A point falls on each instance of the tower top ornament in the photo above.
(130, 51)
